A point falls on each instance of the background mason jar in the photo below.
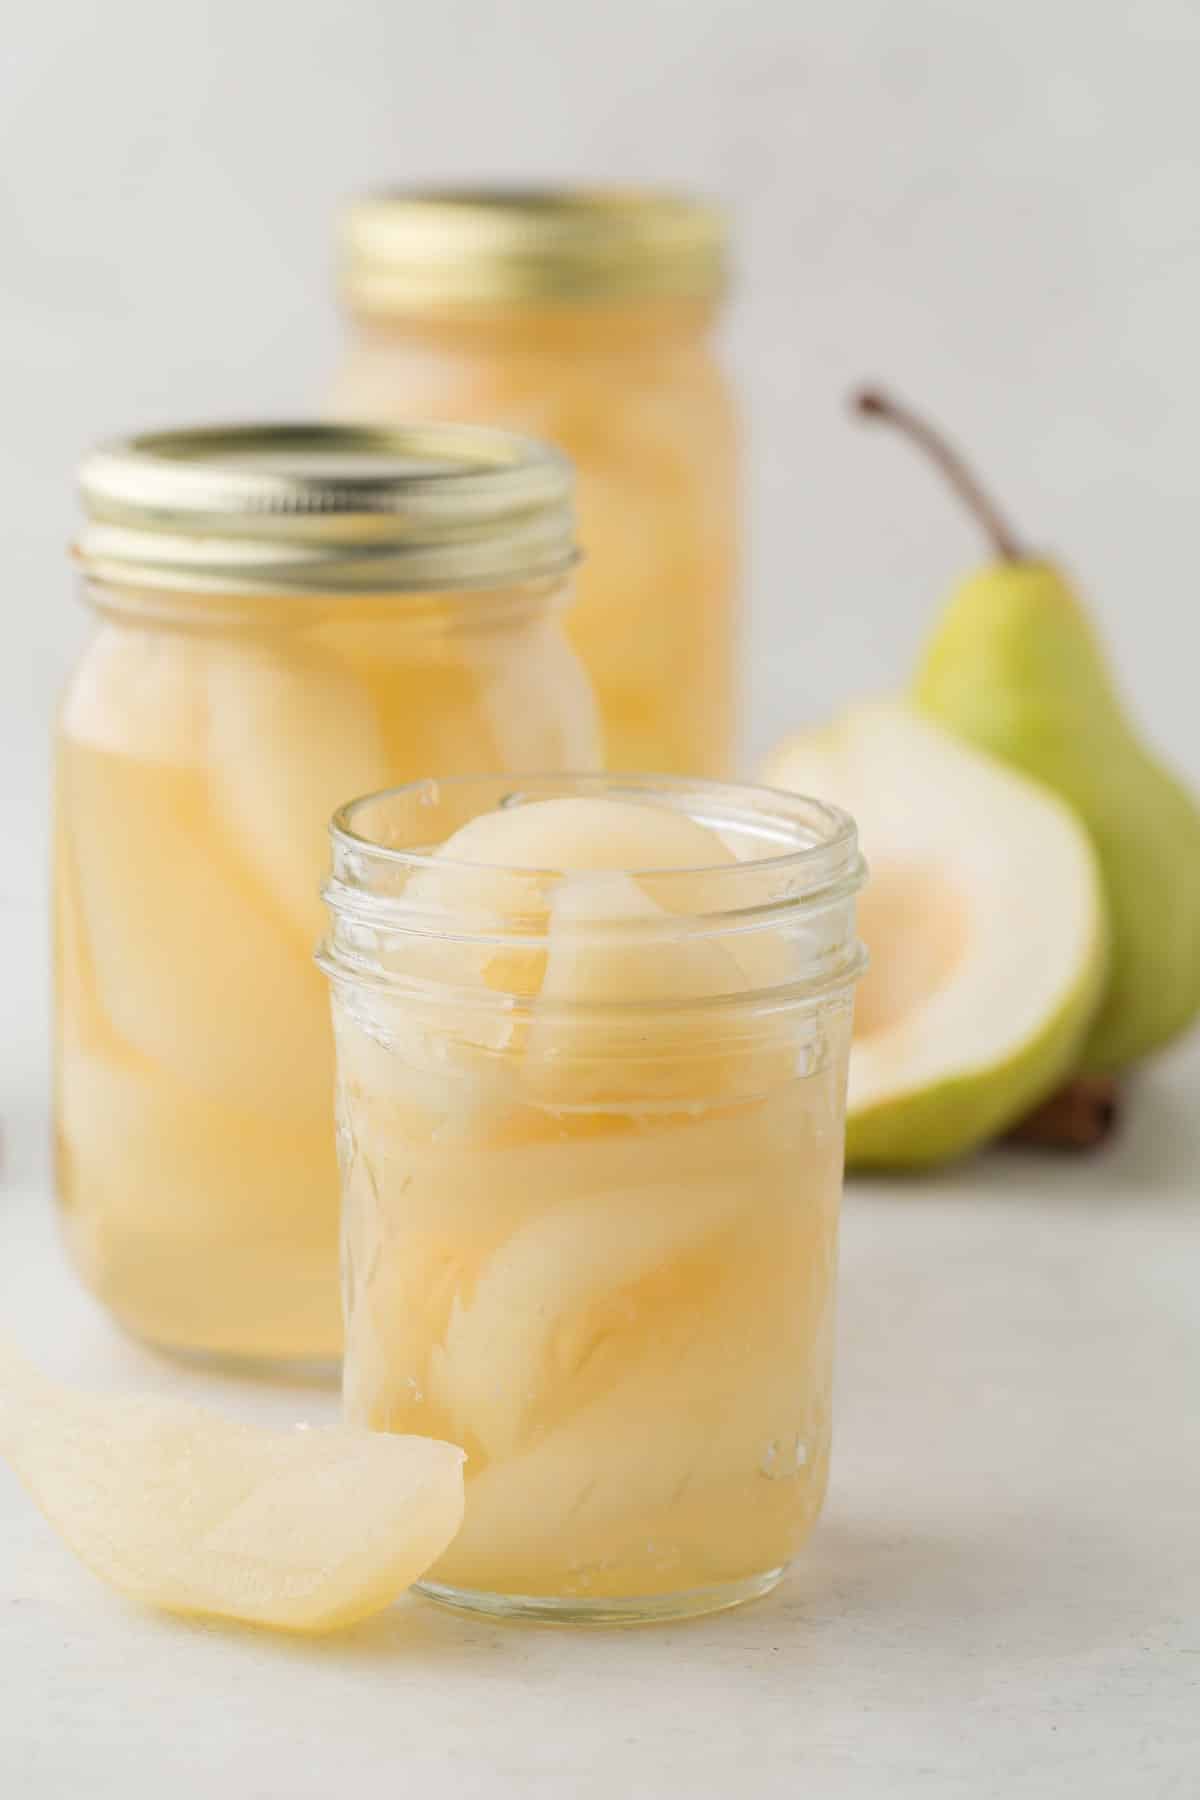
(585, 317)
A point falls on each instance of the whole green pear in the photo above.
(1015, 666)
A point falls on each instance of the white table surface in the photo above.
(1003, 1597)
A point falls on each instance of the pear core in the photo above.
(985, 923)
(918, 930)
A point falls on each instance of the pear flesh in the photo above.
(180, 1509)
(1015, 668)
(985, 923)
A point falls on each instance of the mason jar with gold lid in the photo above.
(585, 317)
(286, 616)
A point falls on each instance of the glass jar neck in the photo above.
(781, 904)
(576, 328)
(461, 610)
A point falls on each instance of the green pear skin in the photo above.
(1015, 667)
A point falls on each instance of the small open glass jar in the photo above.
(591, 1128)
(287, 616)
(586, 317)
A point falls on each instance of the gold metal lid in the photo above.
(326, 509)
(401, 250)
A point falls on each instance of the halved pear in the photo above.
(1015, 667)
(986, 925)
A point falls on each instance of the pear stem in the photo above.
(872, 403)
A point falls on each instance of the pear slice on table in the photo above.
(985, 922)
(300, 1530)
(1014, 666)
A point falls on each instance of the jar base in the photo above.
(637, 1609)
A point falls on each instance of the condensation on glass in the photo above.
(592, 1040)
(586, 318)
(285, 617)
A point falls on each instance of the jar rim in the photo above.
(838, 844)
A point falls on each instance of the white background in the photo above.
(997, 209)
